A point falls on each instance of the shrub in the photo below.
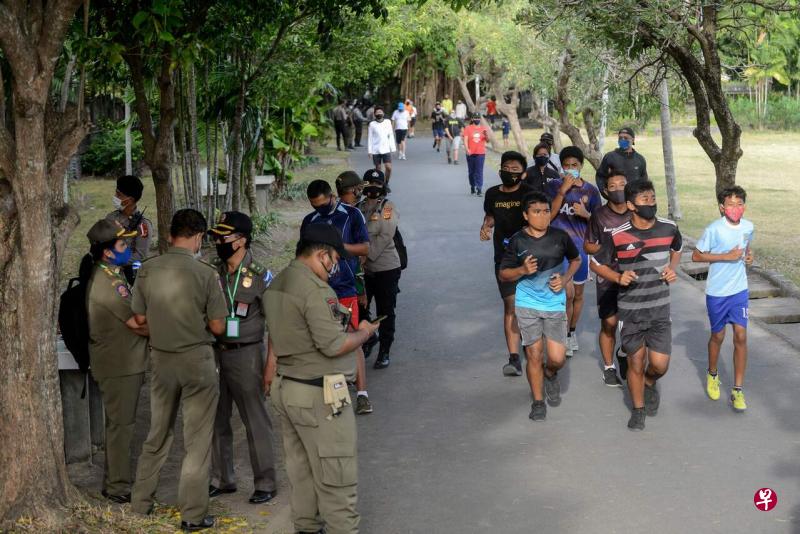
(106, 152)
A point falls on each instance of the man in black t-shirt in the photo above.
(647, 249)
(599, 246)
(541, 172)
(438, 120)
(503, 218)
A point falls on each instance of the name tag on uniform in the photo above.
(241, 309)
(232, 327)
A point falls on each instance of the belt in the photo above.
(309, 382)
(235, 346)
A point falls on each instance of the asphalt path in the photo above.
(450, 449)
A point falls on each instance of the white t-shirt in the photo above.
(400, 119)
(381, 138)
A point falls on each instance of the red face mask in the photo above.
(734, 213)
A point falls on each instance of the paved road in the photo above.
(450, 448)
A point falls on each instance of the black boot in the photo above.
(383, 359)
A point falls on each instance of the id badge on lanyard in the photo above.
(232, 322)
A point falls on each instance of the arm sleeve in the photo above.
(677, 241)
(216, 308)
(570, 249)
(359, 227)
(371, 139)
(119, 307)
(327, 332)
(487, 204)
(594, 200)
(510, 259)
(385, 235)
(706, 241)
(592, 232)
(601, 176)
(138, 305)
(644, 169)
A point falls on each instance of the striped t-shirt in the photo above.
(645, 252)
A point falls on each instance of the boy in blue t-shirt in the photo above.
(534, 259)
(725, 244)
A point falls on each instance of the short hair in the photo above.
(187, 223)
(317, 188)
(732, 191)
(378, 108)
(634, 188)
(306, 248)
(614, 172)
(513, 155)
(540, 146)
(535, 197)
(571, 152)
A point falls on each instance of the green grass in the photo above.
(768, 171)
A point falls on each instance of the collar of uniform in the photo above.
(112, 268)
(306, 271)
(246, 261)
(179, 250)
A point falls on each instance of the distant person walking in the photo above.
(380, 143)
(340, 124)
(475, 137)
(400, 119)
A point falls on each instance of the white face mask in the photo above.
(117, 202)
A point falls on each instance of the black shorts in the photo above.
(413, 122)
(400, 136)
(507, 289)
(377, 159)
(607, 300)
(655, 335)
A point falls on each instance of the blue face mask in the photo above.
(574, 172)
(121, 259)
(624, 144)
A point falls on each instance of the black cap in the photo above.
(348, 179)
(105, 231)
(374, 176)
(232, 222)
(548, 136)
(628, 130)
(324, 234)
(130, 186)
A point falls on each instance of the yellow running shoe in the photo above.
(712, 386)
(737, 399)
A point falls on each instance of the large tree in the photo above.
(36, 143)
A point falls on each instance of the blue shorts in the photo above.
(438, 132)
(732, 309)
(582, 274)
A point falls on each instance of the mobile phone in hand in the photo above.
(379, 319)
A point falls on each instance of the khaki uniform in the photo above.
(179, 295)
(241, 370)
(139, 245)
(307, 327)
(118, 361)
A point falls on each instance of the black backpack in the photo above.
(401, 249)
(73, 319)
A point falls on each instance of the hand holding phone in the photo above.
(379, 319)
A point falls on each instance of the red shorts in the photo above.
(352, 304)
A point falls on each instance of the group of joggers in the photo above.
(550, 228)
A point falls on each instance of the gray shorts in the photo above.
(533, 324)
(655, 335)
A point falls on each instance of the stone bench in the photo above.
(263, 186)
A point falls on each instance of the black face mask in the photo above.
(509, 178)
(617, 197)
(379, 118)
(541, 161)
(225, 251)
(373, 192)
(476, 121)
(646, 212)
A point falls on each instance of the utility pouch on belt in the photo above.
(335, 394)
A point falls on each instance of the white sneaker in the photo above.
(573, 342)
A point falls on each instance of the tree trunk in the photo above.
(194, 157)
(128, 140)
(238, 149)
(35, 224)
(510, 111)
(601, 138)
(666, 144)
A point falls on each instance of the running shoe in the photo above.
(363, 405)
(636, 422)
(622, 360)
(479, 193)
(513, 367)
(434, 144)
(449, 160)
(573, 342)
(737, 399)
(712, 386)
(455, 162)
(552, 390)
(611, 379)
(538, 411)
(382, 362)
(569, 349)
(651, 400)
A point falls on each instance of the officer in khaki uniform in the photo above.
(309, 339)
(117, 352)
(126, 215)
(241, 361)
(180, 299)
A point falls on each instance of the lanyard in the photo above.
(112, 274)
(232, 295)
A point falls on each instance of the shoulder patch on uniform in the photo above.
(257, 268)
(267, 278)
(333, 304)
(387, 211)
(122, 290)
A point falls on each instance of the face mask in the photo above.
(541, 161)
(225, 251)
(509, 178)
(624, 144)
(617, 197)
(117, 202)
(121, 259)
(325, 209)
(379, 117)
(646, 212)
(334, 268)
(373, 192)
(574, 172)
(734, 213)
(476, 121)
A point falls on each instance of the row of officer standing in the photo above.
(195, 320)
